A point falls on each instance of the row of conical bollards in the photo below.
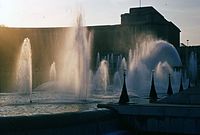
(153, 95)
(124, 98)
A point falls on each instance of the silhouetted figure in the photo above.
(169, 90)
(181, 86)
(153, 95)
(124, 95)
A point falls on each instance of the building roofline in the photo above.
(132, 10)
(148, 10)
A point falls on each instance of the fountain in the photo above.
(97, 60)
(24, 69)
(119, 60)
(112, 61)
(118, 75)
(52, 72)
(130, 56)
(73, 80)
(192, 69)
(108, 59)
(123, 66)
(156, 55)
(79, 80)
(161, 75)
(117, 82)
(74, 75)
(101, 78)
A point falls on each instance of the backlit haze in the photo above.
(60, 13)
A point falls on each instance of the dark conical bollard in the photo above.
(169, 90)
(124, 95)
(181, 85)
(153, 94)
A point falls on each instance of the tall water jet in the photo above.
(130, 57)
(24, 69)
(193, 67)
(97, 60)
(123, 67)
(119, 60)
(117, 82)
(118, 75)
(101, 78)
(112, 61)
(74, 75)
(152, 55)
(161, 75)
(176, 80)
(108, 59)
(52, 72)
(91, 77)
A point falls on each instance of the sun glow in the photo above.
(8, 12)
(28, 13)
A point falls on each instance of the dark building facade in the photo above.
(147, 19)
(115, 39)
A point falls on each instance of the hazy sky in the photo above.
(50, 13)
